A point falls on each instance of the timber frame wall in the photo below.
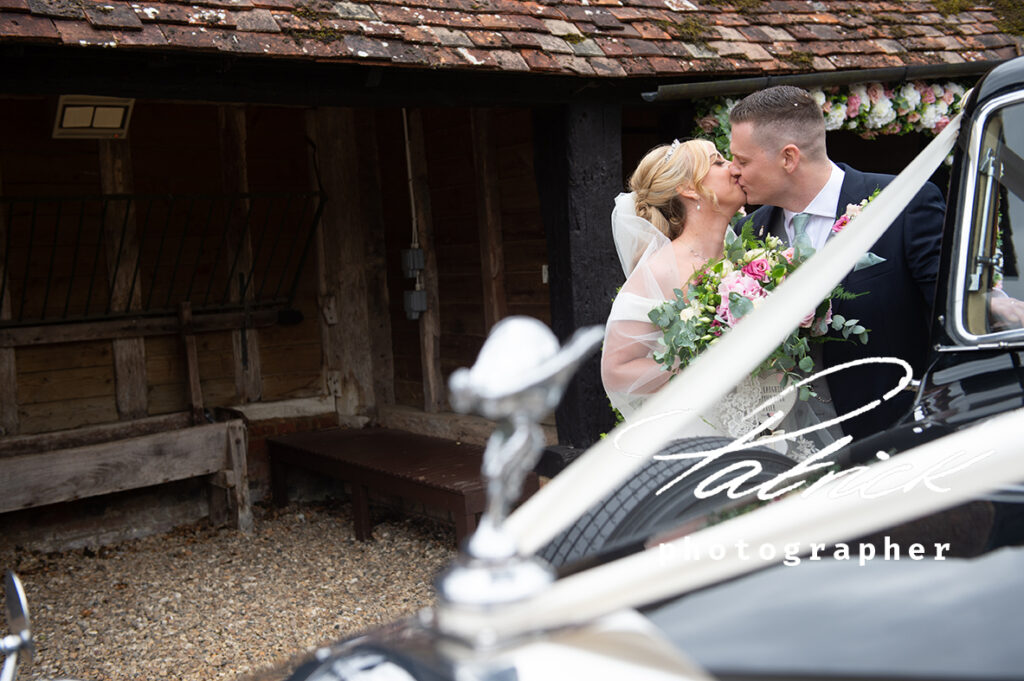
(354, 357)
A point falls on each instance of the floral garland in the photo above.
(869, 109)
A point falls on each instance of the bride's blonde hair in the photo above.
(655, 180)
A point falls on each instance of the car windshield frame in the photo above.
(980, 169)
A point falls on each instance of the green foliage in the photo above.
(693, 29)
(801, 60)
(949, 7)
(1011, 16)
(741, 6)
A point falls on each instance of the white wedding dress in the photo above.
(628, 370)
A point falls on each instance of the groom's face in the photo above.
(760, 172)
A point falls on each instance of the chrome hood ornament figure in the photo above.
(520, 375)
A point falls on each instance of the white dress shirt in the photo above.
(822, 210)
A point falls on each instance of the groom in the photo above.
(779, 159)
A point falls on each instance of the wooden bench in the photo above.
(436, 472)
(87, 462)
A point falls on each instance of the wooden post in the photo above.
(245, 342)
(129, 353)
(578, 163)
(342, 263)
(241, 507)
(8, 366)
(492, 256)
(430, 321)
(377, 299)
(188, 337)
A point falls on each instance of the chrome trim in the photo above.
(956, 325)
(1001, 345)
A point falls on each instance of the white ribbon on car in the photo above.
(828, 516)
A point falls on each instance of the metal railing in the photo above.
(72, 259)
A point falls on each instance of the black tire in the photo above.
(633, 512)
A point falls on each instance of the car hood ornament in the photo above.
(520, 375)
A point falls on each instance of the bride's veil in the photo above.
(651, 275)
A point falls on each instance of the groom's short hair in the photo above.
(784, 114)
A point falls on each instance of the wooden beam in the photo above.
(578, 164)
(121, 238)
(129, 328)
(342, 264)
(378, 307)
(53, 477)
(234, 164)
(8, 360)
(488, 202)
(90, 435)
(430, 321)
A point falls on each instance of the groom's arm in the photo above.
(922, 238)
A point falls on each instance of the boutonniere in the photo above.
(852, 211)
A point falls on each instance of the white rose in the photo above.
(753, 254)
(930, 116)
(881, 114)
(835, 118)
(818, 96)
(688, 313)
(909, 93)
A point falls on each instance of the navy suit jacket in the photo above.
(897, 309)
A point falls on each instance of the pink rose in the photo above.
(708, 123)
(840, 223)
(948, 96)
(914, 117)
(927, 95)
(875, 92)
(852, 106)
(739, 283)
(806, 322)
(940, 124)
(788, 255)
(756, 268)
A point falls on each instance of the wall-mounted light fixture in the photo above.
(89, 117)
(416, 300)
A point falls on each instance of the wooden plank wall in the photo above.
(174, 148)
(454, 187)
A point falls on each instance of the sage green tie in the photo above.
(801, 242)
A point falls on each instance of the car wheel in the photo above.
(622, 520)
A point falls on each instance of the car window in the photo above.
(992, 301)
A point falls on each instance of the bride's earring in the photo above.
(698, 205)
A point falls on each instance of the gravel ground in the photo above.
(201, 603)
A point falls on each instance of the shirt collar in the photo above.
(827, 200)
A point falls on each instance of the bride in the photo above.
(672, 222)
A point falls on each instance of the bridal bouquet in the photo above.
(722, 292)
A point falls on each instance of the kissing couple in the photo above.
(674, 221)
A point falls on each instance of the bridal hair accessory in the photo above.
(672, 149)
